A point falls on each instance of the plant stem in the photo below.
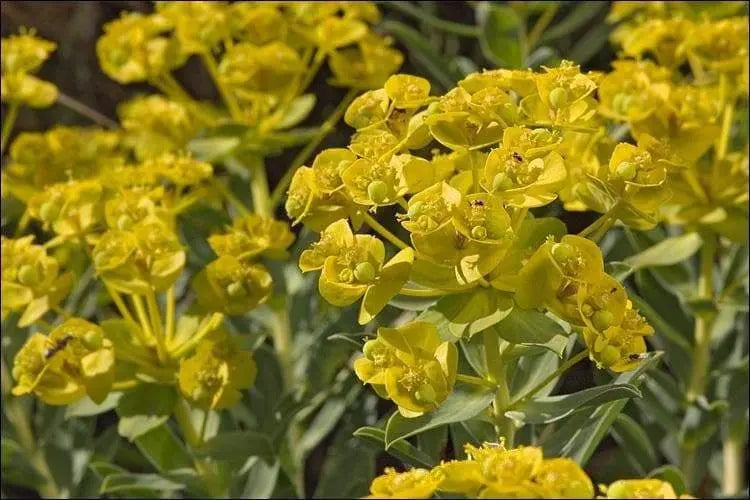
(21, 422)
(733, 451)
(325, 128)
(8, 122)
(229, 196)
(169, 333)
(182, 415)
(156, 324)
(541, 24)
(226, 94)
(427, 292)
(259, 190)
(282, 342)
(385, 233)
(541, 385)
(117, 299)
(703, 321)
(470, 379)
(83, 110)
(605, 221)
(435, 22)
(208, 325)
(496, 373)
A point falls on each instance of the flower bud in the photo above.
(626, 170)
(28, 274)
(501, 182)
(602, 320)
(558, 97)
(236, 290)
(377, 191)
(425, 394)
(364, 272)
(562, 252)
(479, 232)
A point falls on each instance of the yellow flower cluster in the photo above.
(269, 54)
(492, 471)
(22, 56)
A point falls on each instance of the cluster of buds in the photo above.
(22, 56)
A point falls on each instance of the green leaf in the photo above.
(660, 324)
(549, 409)
(328, 416)
(237, 445)
(590, 44)
(673, 476)
(296, 111)
(423, 52)
(466, 401)
(412, 303)
(532, 370)
(433, 442)
(529, 327)
(261, 479)
(667, 252)
(580, 435)
(403, 450)
(701, 421)
(211, 149)
(87, 408)
(162, 448)
(144, 408)
(125, 481)
(466, 314)
(579, 17)
(501, 33)
(636, 443)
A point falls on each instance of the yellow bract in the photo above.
(22, 55)
(410, 366)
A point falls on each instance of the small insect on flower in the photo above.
(53, 347)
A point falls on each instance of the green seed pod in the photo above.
(501, 182)
(479, 232)
(602, 320)
(370, 348)
(28, 275)
(609, 355)
(558, 97)
(364, 272)
(563, 252)
(425, 394)
(377, 191)
(92, 339)
(626, 171)
(236, 290)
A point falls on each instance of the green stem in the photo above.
(299, 160)
(18, 417)
(601, 225)
(226, 94)
(83, 110)
(426, 292)
(470, 379)
(259, 190)
(282, 342)
(169, 328)
(209, 324)
(733, 451)
(703, 322)
(541, 24)
(496, 374)
(385, 233)
(552, 376)
(182, 415)
(156, 324)
(230, 197)
(8, 122)
(435, 22)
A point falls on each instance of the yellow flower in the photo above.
(525, 171)
(307, 202)
(70, 209)
(372, 183)
(28, 90)
(179, 169)
(256, 23)
(619, 347)
(39, 159)
(232, 286)
(563, 96)
(354, 267)
(24, 53)
(410, 366)
(131, 206)
(640, 488)
(365, 66)
(634, 90)
(148, 256)
(215, 375)
(31, 280)
(154, 125)
(407, 91)
(253, 235)
(75, 359)
(368, 109)
(562, 478)
(198, 26)
(136, 48)
(416, 483)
